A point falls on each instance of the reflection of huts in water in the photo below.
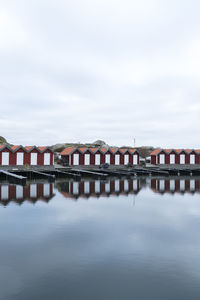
(96, 156)
(97, 188)
(175, 185)
(25, 156)
(175, 157)
(31, 193)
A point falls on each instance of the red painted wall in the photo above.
(27, 160)
(153, 159)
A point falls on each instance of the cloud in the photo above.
(79, 71)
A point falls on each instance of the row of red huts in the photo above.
(29, 155)
(96, 156)
(175, 156)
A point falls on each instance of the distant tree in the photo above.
(99, 143)
(2, 140)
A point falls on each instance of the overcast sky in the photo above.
(75, 70)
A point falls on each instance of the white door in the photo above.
(126, 159)
(20, 159)
(75, 188)
(46, 189)
(117, 185)
(97, 186)
(86, 187)
(162, 159)
(135, 159)
(162, 185)
(182, 185)
(87, 159)
(172, 159)
(192, 185)
(5, 158)
(192, 159)
(76, 159)
(4, 192)
(117, 159)
(33, 190)
(33, 159)
(47, 159)
(19, 191)
(182, 159)
(107, 187)
(107, 159)
(135, 185)
(172, 185)
(126, 185)
(97, 159)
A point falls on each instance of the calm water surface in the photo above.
(97, 240)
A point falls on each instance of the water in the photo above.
(96, 240)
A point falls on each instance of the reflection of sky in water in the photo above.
(135, 246)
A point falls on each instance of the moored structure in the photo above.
(96, 156)
(175, 157)
(25, 157)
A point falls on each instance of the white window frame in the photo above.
(97, 159)
(20, 159)
(117, 159)
(182, 162)
(97, 186)
(126, 159)
(172, 185)
(135, 159)
(33, 190)
(47, 162)
(4, 192)
(126, 185)
(182, 185)
(192, 159)
(86, 159)
(117, 185)
(19, 192)
(46, 189)
(172, 159)
(34, 159)
(75, 188)
(5, 157)
(86, 187)
(107, 159)
(162, 184)
(162, 161)
(107, 187)
(76, 161)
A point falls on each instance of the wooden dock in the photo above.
(14, 178)
(90, 173)
(59, 174)
(50, 177)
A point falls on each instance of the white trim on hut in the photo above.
(5, 158)
(172, 159)
(76, 159)
(135, 159)
(126, 159)
(34, 158)
(86, 159)
(192, 159)
(107, 158)
(117, 159)
(47, 159)
(97, 158)
(20, 159)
